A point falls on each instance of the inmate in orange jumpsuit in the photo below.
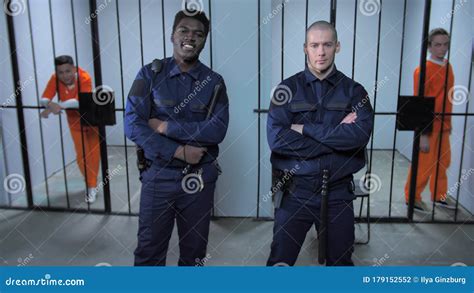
(428, 162)
(90, 134)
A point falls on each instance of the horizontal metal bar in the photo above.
(373, 220)
(389, 113)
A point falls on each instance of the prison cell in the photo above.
(253, 45)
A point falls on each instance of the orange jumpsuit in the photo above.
(428, 162)
(90, 135)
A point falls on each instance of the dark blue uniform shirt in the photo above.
(182, 99)
(320, 106)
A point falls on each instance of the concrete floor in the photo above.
(55, 238)
(125, 197)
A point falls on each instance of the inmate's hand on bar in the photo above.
(190, 154)
(55, 108)
(158, 125)
(424, 143)
(45, 113)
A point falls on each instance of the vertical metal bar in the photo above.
(140, 27)
(59, 99)
(259, 108)
(375, 95)
(395, 128)
(463, 139)
(163, 26)
(305, 26)
(19, 109)
(443, 112)
(3, 152)
(98, 81)
(211, 61)
(76, 55)
(306, 17)
(119, 37)
(333, 14)
(38, 102)
(421, 93)
(354, 39)
(282, 39)
(213, 211)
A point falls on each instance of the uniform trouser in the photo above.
(161, 203)
(88, 157)
(296, 216)
(427, 165)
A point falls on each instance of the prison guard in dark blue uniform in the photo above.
(181, 99)
(324, 144)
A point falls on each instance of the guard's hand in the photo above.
(190, 154)
(297, 127)
(45, 113)
(350, 118)
(424, 143)
(55, 108)
(158, 125)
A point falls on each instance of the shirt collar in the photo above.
(331, 78)
(441, 63)
(194, 72)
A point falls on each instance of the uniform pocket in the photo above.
(198, 111)
(303, 112)
(336, 111)
(164, 108)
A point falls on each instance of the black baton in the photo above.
(210, 109)
(323, 224)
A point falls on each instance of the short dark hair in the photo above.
(322, 25)
(436, 32)
(63, 59)
(195, 14)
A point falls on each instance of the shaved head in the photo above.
(322, 25)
